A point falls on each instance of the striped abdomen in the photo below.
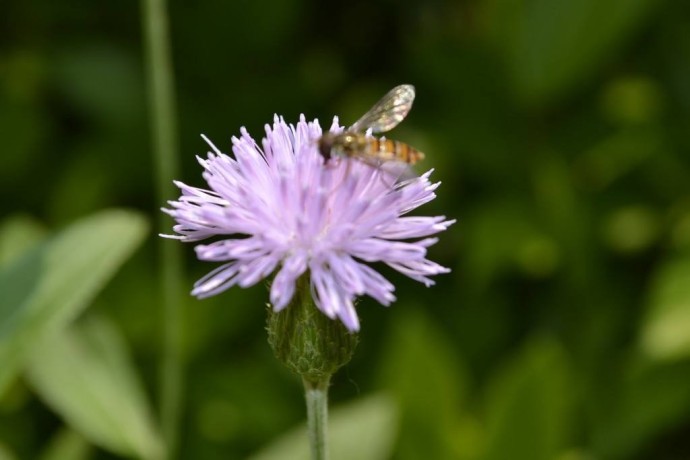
(389, 149)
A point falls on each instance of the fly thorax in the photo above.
(353, 143)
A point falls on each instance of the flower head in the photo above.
(279, 208)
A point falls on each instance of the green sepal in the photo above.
(308, 342)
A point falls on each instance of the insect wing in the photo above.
(398, 170)
(388, 112)
(395, 171)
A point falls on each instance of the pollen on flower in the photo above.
(277, 208)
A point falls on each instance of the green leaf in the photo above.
(665, 332)
(5, 454)
(505, 235)
(78, 71)
(553, 45)
(51, 284)
(67, 444)
(646, 403)
(527, 405)
(420, 366)
(86, 375)
(18, 234)
(364, 429)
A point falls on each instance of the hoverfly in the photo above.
(355, 142)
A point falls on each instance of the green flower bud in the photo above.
(308, 342)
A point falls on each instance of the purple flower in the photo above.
(280, 208)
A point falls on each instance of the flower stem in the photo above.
(316, 394)
(163, 124)
(313, 346)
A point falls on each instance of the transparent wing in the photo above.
(388, 112)
(399, 171)
(396, 171)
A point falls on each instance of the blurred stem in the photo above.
(316, 394)
(163, 121)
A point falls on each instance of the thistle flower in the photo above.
(280, 208)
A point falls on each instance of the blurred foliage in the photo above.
(559, 129)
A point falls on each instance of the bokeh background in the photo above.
(560, 131)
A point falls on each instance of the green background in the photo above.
(560, 131)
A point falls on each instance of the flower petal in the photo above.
(279, 205)
(216, 281)
(283, 286)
